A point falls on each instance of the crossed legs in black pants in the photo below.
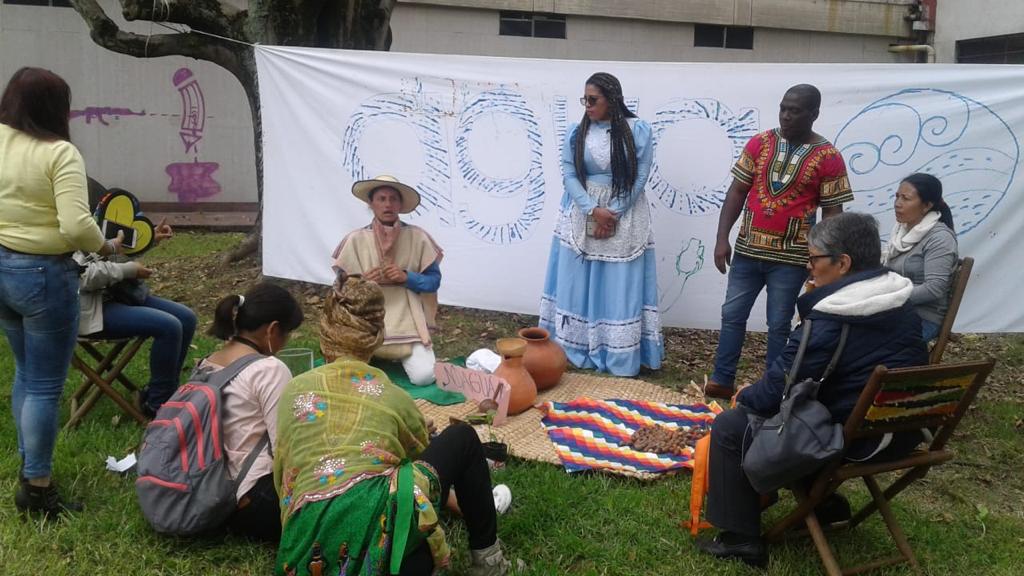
(458, 458)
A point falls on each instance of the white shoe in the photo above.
(502, 498)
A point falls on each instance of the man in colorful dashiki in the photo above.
(779, 181)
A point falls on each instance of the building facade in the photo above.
(979, 32)
(653, 30)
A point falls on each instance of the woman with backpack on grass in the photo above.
(258, 322)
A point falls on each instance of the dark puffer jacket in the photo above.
(884, 329)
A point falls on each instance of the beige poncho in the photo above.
(408, 315)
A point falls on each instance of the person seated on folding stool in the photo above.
(116, 304)
(261, 322)
(850, 287)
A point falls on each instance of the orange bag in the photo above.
(700, 484)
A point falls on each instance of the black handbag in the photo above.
(801, 438)
(131, 291)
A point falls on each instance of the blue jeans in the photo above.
(929, 330)
(39, 314)
(746, 279)
(171, 325)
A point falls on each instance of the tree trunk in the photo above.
(252, 243)
(356, 24)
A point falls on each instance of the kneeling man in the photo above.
(405, 261)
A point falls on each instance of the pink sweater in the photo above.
(250, 410)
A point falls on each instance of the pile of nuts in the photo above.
(663, 440)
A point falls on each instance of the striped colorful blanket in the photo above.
(593, 434)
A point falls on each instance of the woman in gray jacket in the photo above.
(922, 247)
(116, 304)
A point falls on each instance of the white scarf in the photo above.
(902, 239)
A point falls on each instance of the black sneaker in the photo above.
(731, 546)
(43, 501)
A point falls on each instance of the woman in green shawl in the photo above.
(359, 480)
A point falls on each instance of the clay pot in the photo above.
(524, 390)
(544, 359)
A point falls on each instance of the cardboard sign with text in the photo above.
(475, 386)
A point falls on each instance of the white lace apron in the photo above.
(633, 229)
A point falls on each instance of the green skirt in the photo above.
(353, 532)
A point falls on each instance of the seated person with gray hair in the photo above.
(850, 287)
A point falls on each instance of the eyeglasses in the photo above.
(814, 257)
(589, 100)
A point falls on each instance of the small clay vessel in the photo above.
(544, 359)
(524, 390)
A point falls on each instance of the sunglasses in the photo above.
(590, 100)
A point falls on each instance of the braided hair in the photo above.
(624, 162)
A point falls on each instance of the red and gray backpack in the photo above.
(183, 486)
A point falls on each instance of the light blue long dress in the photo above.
(600, 297)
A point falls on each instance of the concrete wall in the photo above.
(966, 19)
(448, 30)
(871, 17)
(145, 151)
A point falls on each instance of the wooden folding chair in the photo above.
(961, 275)
(930, 399)
(100, 376)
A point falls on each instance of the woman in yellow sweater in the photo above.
(45, 218)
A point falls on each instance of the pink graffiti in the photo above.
(193, 108)
(99, 113)
(192, 181)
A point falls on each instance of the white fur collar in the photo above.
(868, 297)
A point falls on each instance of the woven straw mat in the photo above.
(524, 434)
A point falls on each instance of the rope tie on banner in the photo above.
(210, 34)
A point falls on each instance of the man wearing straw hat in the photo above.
(405, 261)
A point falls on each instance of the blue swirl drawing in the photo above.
(706, 197)
(513, 104)
(419, 111)
(955, 138)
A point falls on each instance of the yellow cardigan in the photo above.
(44, 196)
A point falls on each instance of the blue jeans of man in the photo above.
(39, 315)
(747, 277)
(170, 324)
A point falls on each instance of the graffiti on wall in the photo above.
(100, 114)
(191, 179)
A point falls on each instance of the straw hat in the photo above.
(410, 197)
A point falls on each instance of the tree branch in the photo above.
(106, 33)
(206, 15)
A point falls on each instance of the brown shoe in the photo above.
(716, 390)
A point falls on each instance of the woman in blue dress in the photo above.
(601, 295)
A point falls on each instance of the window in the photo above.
(1007, 49)
(715, 36)
(59, 3)
(531, 24)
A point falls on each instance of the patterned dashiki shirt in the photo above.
(784, 196)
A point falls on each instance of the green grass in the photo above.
(965, 518)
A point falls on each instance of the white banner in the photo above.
(481, 138)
